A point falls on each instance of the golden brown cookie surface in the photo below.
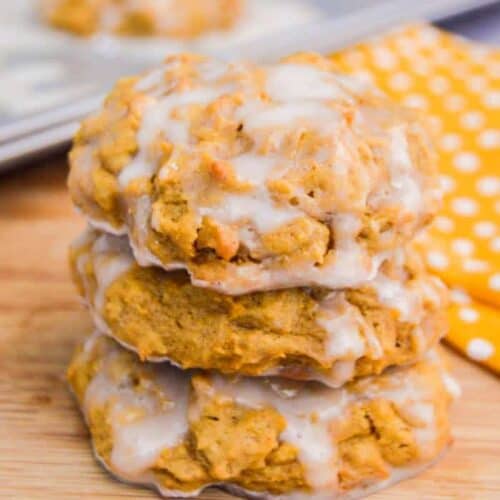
(180, 432)
(255, 177)
(299, 333)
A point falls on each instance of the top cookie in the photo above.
(255, 177)
(172, 18)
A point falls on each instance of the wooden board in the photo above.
(44, 448)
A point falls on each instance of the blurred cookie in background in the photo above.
(170, 18)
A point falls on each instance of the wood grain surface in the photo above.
(44, 446)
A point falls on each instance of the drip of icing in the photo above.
(253, 168)
(290, 82)
(403, 178)
(158, 118)
(138, 445)
(343, 324)
(356, 85)
(157, 121)
(341, 372)
(351, 266)
(351, 263)
(409, 298)
(112, 257)
(105, 227)
(138, 242)
(451, 385)
(151, 80)
(89, 343)
(265, 216)
(308, 415)
(247, 278)
(109, 264)
(142, 424)
(395, 295)
(435, 291)
(405, 189)
(289, 115)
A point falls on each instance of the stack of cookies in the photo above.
(262, 321)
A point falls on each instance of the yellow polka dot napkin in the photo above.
(457, 82)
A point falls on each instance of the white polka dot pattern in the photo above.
(475, 266)
(444, 224)
(495, 282)
(468, 314)
(488, 186)
(489, 139)
(437, 260)
(464, 206)
(462, 246)
(495, 244)
(479, 349)
(472, 120)
(458, 84)
(466, 161)
(459, 296)
(450, 142)
(492, 99)
(484, 229)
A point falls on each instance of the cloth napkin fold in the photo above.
(457, 83)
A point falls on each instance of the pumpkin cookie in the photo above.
(300, 333)
(181, 432)
(255, 177)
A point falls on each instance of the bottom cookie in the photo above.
(181, 432)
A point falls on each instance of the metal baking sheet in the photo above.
(49, 80)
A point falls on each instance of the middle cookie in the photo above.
(298, 333)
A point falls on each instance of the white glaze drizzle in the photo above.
(291, 82)
(409, 298)
(142, 425)
(253, 210)
(111, 260)
(300, 97)
(310, 435)
(138, 241)
(451, 385)
(344, 325)
(349, 335)
(404, 188)
(255, 213)
(311, 412)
